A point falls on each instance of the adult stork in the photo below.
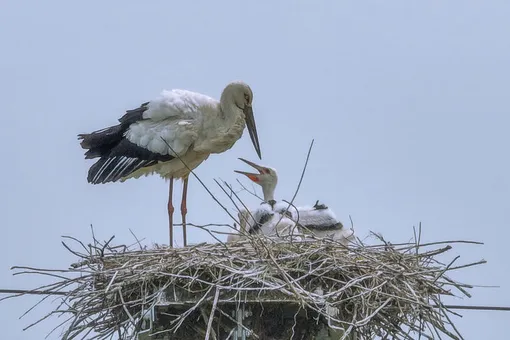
(319, 219)
(170, 136)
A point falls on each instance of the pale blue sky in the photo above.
(407, 102)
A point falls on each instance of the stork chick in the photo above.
(271, 218)
(319, 219)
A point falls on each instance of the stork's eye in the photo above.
(247, 98)
(266, 171)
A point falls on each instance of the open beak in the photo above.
(252, 128)
(254, 177)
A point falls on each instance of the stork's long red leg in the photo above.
(171, 212)
(184, 209)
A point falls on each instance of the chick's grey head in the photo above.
(266, 177)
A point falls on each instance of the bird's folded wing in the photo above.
(157, 131)
(172, 138)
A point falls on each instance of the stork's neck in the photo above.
(224, 126)
(229, 110)
(268, 189)
(269, 196)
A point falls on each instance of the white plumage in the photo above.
(322, 222)
(170, 136)
(319, 219)
(269, 219)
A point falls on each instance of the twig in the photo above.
(253, 193)
(299, 183)
(211, 316)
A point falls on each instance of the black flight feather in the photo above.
(118, 157)
(133, 116)
(334, 226)
(99, 142)
(125, 158)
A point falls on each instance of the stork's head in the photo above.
(242, 96)
(266, 178)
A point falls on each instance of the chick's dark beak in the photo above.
(253, 165)
(254, 177)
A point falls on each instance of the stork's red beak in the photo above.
(254, 177)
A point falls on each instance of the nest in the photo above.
(312, 289)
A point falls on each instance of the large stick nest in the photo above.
(388, 291)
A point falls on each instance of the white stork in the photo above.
(319, 219)
(170, 136)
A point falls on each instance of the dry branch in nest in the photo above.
(270, 290)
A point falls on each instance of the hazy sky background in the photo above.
(407, 102)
